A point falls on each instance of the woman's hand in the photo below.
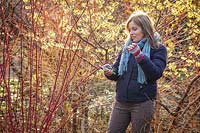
(107, 69)
(135, 50)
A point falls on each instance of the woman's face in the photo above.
(135, 31)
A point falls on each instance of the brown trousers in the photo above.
(139, 114)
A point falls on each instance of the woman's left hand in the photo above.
(135, 50)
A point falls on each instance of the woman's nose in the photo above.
(131, 32)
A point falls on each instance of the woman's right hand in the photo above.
(107, 69)
(108, 72)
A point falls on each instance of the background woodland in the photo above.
(51, 50)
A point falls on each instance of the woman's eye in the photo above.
(134, 28)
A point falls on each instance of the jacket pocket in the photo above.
(134, 91)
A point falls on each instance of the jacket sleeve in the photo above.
(153, 68)
(115, 67)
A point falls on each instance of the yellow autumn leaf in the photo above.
(172, 66)
(184, 70)
(176, 73)
(190, 14)
(197, 31)
(191, 48)
(183, 58)
(170, 54)
(87, 49)
(197, 64)
(170, 44)
(189, 61)
(197, 52)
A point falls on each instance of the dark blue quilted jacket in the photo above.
(127, 87)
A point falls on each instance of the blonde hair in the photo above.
(144, 21)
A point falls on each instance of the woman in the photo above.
(139, 65)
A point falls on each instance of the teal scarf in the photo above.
(145, 46)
